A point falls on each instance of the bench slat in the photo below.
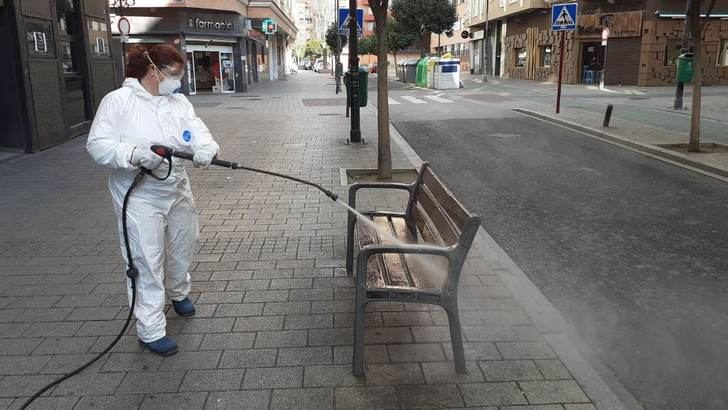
(393, 266)
(447, 201)
(420, 268)
(375, 266)
(441, 222)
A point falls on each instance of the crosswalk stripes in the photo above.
(413, 100)
(438, 99)
(392, 101)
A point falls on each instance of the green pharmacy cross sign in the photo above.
(270, 26)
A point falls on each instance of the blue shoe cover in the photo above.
(184, 307)
(165, 346)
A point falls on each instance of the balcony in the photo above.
(499, 9)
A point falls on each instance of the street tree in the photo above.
(422, 17)
(367, 45)
(695, 25)
(384, 150)
(398, 38)
(313, 48)
(334, 40)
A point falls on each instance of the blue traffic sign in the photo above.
(563, 17)
(344, 20)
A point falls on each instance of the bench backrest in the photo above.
(439, 217)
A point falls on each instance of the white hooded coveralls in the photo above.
(161, 217)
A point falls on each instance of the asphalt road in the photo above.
(632, 251)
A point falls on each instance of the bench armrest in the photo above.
(370, 250)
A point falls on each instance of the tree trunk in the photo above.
(384, 152)
(696, 28)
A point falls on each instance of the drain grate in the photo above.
(235, 108)
(323, 102)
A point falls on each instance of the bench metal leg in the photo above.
(359, 316)
(456, 336)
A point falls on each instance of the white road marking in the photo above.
(413, 100)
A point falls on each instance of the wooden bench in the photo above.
(420, 258)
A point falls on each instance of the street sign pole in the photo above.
(561, 73)
(563, 18)
(355, 132)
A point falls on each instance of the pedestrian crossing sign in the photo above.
(563, 17)
(345, 19)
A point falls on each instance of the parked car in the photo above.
(373, 68)
(318, 65)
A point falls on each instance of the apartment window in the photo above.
(723, 53)
(546, 55)
(521, 55)
(672, 51)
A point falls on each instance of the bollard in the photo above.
(608, 115)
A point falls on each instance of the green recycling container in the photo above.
(685, 68)
(363, 85)
(422, 72)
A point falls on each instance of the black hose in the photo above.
(131, 273)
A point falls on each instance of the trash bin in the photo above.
(685, 68)
(422, 72)
(431, 62)
(447, 74)
(401, 71)
(363, 84)
(410, 74)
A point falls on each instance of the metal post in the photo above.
(561, 72)
(355, 132)
(608, 115)
(604, 68)
(485, 45)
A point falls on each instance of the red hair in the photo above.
(137, 62)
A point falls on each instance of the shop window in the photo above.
(521, 55)
(723, 53)
(546, 55)
(39, 38)
(672, 51)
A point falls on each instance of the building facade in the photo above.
(454, 42)
(223, 40)
(642, 46)
(56, 67)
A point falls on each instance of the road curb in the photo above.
(666, 155)
(600, 384)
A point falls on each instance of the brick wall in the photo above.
(655, 37)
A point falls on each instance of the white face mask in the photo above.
(169, 86)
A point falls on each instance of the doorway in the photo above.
(210, 69)
(592, 57)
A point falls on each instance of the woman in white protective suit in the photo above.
(161, 218)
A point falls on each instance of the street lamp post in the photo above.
(485, 43)
(120, 5)
(355, 133)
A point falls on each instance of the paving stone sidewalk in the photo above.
(274, 306)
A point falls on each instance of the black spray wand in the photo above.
(167, 152)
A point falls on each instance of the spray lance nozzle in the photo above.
(168, 153)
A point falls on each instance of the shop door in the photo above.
(623, 61)
(191, 86)
(592, 57)
(227, 73)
